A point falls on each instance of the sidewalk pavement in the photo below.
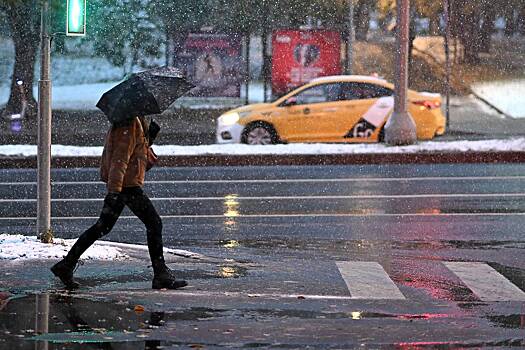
(470, 119)
(134, 272)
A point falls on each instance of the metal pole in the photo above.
(44, 131)
(265, 64)
(247, 68)
(42, 319)
(400, 128)
(350, 39)
(446, 6)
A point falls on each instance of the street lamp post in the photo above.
(44, 131)
(446, 11)
(400, 128)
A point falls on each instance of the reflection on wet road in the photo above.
(302, 256)
(61, 321)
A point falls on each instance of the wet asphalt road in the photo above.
(310, 256)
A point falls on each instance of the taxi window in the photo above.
(362, 91)
(319, 94)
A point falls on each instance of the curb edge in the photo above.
(300, 159)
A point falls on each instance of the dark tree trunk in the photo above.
(466, 27)
(178, 40)
(246, 67)
(412, 33)
(470, 40)
(521, 21)
(433, 26)
(266, 64)
(487, 28)
(168, 54)
(510, 23)
(25, 34)
(361, 20)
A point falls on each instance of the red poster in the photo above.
(298, 56)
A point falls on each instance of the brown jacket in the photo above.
(124, 158)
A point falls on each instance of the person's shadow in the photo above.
(156, 319)
(78, 324)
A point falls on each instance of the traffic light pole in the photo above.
(44, 131)
(400, 128)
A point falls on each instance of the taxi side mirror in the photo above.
(292, 101)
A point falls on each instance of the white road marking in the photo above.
(267, 198)
(207, 294)
(368, 280)
(299, 215)
(318, 180)
(485, 282)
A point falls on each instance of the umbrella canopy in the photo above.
(144, 93)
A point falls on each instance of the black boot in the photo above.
(64, 271)
(163, 278)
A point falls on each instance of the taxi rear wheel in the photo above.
(259, 134)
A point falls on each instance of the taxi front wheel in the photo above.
(259, 134)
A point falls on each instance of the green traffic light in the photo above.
(76, 18)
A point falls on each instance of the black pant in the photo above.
(142, 207)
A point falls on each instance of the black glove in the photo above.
(153, 131)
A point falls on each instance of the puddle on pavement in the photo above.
(513, 274)
(354, 315)
(230, 271)
(65, 322)
(57, 321)
(510, 321)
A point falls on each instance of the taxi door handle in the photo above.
(306, 111)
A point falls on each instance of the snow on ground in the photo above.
(514, 144)
(506, 95)
(86, 96)
(485, 108)
(19, 247)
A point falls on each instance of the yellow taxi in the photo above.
(346, 108)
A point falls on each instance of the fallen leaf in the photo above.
(139, 308)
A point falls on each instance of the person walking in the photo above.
(123, 167)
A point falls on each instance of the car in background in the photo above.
(345, 108)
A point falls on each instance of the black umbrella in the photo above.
(144, 93)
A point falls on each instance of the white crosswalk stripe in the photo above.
(485, 282)
(368, 280)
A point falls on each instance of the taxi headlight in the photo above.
(229, 118)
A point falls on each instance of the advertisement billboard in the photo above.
(298, 56)
(213, 63)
